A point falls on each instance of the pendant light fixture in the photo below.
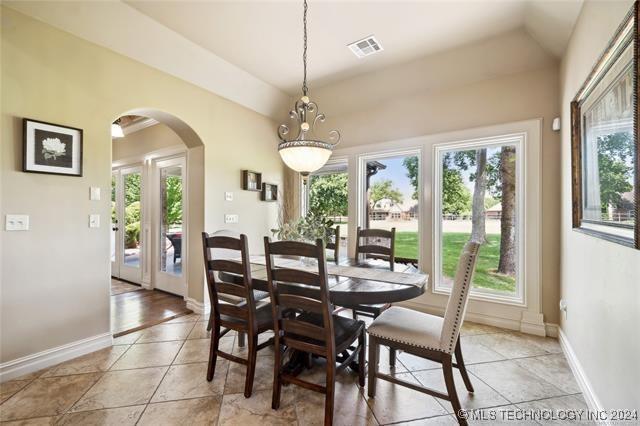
(305, 152)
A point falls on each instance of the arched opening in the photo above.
(157, 214)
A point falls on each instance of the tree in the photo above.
(328, 195)
(507, 178)
(173, 212)
(616, 172)
(384, 189)
(456, 198)
(478, 212)
(411, 164)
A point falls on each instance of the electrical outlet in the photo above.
(16, 222)
(231, 218)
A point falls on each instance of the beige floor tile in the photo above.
(432, 421)
(111, 416)
(507, 345)
(190, 381)
(552, 368)
(350, 407)
(199, 331)
(243, 351)
(194, 412)
(549, 344)
(32, 376)
(557, 407)
(197, 350)
(148, 355)
(185, 318)
(473, 328)
(263, 378)
(474, 352)
(415, 363)
(241, 411)
(514, 382)
(8, 389)
(47, 396)
(482, 397)
(39, 421)
(394, 403)
(127, 339)
(166, 332)
(121, 388)
(96, 361)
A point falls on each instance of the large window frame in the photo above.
(518, 140)
(362, 201)
(626, 37)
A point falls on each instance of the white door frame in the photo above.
(162, 280)
(120, 269)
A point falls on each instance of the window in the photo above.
(327, 195)
(390, 199)
(478, 196)
(605, 151)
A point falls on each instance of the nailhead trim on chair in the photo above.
(403, 342)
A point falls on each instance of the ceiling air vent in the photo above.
(365, 47)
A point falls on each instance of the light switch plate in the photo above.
(16, 222)
(231, 218)
(228, 196)
(94, 193)
(94, 221)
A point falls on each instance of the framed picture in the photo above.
(51, 148)
(269, 192)
(251, 181)
(605, 152)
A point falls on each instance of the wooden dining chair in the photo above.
(244, 315)
(334, 244)
(428, 336)
(376, 244)
(314, 329)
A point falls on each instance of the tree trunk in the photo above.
(507, 263)
(478, 213)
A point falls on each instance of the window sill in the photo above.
(607, 237)
(485, 297)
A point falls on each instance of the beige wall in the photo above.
(600, 280)
(513, 97)
(55, 277)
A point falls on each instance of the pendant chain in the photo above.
(305, 89)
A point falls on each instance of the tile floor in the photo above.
(157, 377)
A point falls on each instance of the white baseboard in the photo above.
(552, 329)
(197, 307)
(34, 362)
(581, 377)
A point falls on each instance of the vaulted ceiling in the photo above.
(250, 51)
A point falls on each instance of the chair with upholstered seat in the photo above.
(313, 329)
(428, 336)
(233, 304)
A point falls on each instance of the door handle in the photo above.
(114, 228)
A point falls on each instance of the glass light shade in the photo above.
(116, 131)
(305, 159)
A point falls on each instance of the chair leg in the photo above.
(374, 356)
(362, 342)
(461, 367)
(330, 396)
(392, 357)
(447, 369)
(210, 324)
(354, 314)
(251, 365)
(241, 339)
(213, 352)
(277, 383)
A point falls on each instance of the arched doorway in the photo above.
(157, 215)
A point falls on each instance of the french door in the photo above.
(170, 225)
(126, 219)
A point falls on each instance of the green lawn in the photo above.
(485, 276)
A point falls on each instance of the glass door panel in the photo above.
(171, 231)
(132, 213)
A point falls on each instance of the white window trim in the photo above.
(518, 299)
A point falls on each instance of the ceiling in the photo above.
(250, 51)
(265, 37)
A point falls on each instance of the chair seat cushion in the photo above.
(234, 300)
(409, 327)
(346, 330)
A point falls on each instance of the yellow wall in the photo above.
(600, 280)
(55, 277)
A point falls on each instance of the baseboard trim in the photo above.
(34, 362)
(551, 329)
(590, 396)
